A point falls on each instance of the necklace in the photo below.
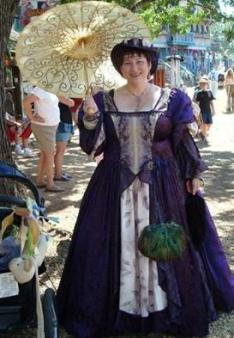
(138, 97)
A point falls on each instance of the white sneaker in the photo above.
(28, 152)
(18, 150)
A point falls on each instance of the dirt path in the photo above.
(219, 191)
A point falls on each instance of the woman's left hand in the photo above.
(193, 185)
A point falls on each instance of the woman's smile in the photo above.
(135, 67)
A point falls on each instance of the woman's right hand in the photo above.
(28, 103)
(90, 108)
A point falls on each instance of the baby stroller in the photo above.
(21, 310)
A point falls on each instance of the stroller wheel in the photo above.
(50, 315)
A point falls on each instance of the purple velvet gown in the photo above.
(157, 160)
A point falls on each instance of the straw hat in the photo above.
(203, 79)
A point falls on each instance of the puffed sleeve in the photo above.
(187, 154)
(92, 133)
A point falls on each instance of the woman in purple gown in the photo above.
(150, 165)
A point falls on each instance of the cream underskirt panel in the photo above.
(140, 293)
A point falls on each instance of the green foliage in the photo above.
(222, 39)
(177, 19)
(229, 32)
(229, 3)
(162, 242)
(177, 16)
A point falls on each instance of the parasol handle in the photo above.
(88, 91)
(89, 111)
(86, 76)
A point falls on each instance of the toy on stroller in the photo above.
(22, 249)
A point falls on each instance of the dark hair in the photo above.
(131, 52)
(131, 47)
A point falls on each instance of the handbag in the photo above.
(163, 241)
(195, 212)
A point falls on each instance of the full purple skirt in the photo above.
(88, 296)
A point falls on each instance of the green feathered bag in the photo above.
(162, 242)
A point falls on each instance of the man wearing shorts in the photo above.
(204, 97)
(44, 118)
(63, 135)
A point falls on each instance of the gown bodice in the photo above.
(139, 133)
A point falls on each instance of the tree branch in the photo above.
(139, 3)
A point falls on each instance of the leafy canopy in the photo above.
(179, 15)
(220, 40)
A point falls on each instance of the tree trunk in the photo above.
(7, 12)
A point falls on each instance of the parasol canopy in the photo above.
(67, 49)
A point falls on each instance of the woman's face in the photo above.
(135, 68)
